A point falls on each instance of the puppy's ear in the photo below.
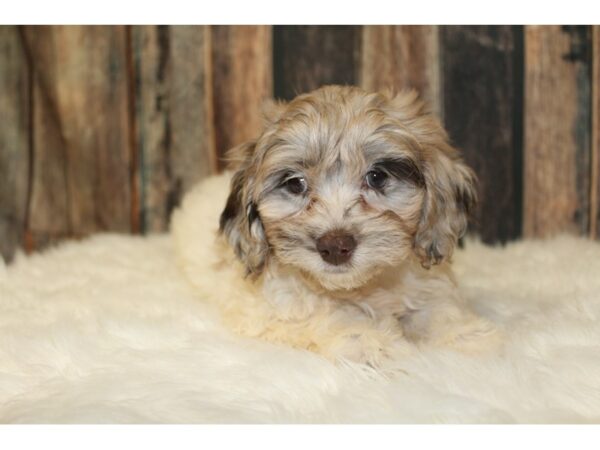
(449, 199)
(240, 222)
(450, 185)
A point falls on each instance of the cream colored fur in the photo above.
(109, 330)
(364, 324)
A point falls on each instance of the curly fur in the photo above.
(397, 288)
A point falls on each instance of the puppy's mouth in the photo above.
(337, 269)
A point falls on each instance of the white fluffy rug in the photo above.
(107, 330)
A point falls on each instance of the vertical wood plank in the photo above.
(402, 57)
(14, 140)
(48, 211)
(595, 156)
(482, 77)
(557, 130)
(242, 63)
(175, 136)
(307, 57)
(81, 131)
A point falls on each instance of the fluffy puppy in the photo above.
(336, 234)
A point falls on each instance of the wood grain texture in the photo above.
(81, 131)
(242, 66)
(557, 130)
(595, 155)
(175, 137)
(14, 139)
(482, 88)
(307, 57)
(402, 57)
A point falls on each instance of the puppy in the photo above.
(338, 228)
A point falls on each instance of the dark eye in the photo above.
(296, 185)
(376, 179)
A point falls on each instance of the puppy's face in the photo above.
(342, 183)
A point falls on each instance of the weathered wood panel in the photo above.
(104, 128)
(242, 58)
(14, 139)
(48, 209)
(81, 145)
(482, 76)
(307, 57)
(175, 138)
(557, 130)
(595, 156)
(402, 57)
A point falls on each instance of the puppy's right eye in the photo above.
(376, 179)
(296, 185)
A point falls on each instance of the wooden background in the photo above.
(105, 127)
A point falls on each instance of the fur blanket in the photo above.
(109, 330)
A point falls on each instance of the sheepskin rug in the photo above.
(109, 330)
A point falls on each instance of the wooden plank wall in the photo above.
(306, 57)
(173, 118)
(80, 180)
(482, 100)
(595, 157)
(406, 57)
(15, 114)
(242, 74)
(557, 114)
(105, 127)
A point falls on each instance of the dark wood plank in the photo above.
(175, 137)
(242, 79)
(557, 130)
(307, 57)
(81, 143)
(14, 140)
(402, 57)
(482, 76)
(595, 156)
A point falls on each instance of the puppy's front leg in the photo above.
(339, 332)
(436, 314)
(351, 333)
(337, 329)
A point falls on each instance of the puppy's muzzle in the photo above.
(336, 247)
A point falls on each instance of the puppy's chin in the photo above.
(345, 277)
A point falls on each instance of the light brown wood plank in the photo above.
(242, 79)
(402, 57)
(14, 140)
(175, 134)
(81, 129)
(557, 133)
(49, 196)
(595, 182)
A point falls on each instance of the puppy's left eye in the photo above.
(376, 179)
(296, 185)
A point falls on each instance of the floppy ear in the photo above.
(240, 222)
(450, 184)
(450, 197)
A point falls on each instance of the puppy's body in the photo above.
(337, 231)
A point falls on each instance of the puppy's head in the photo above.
(342, 183)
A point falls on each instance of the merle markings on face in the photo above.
(343, 183)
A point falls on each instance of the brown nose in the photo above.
(336, 247)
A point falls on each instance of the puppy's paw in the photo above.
(369, 347)
(473, 335)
